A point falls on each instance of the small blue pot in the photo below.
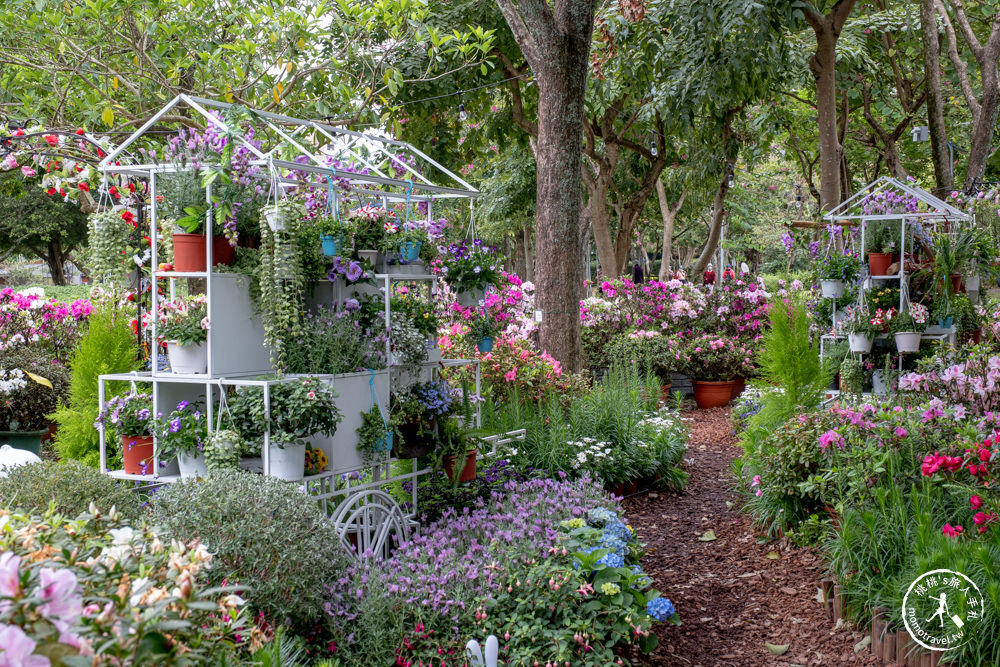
(410, 251)
(331, 245)
(946, 322)
(485, 344)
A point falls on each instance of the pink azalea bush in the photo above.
(27, 318)
(94, 587)
(970, 379)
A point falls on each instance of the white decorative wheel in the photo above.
(366, 522)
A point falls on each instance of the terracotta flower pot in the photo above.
(665, 392)
(878, 263)
(712, 394)
(189, 252)
(615, 489)
(631, 487)
(739, 386)
(137, 454)
(468, 472)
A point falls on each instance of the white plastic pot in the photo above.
(275, 218)
(832, 289)
(187, 359)
(192, 465)
(288, 462)
(469, 298)
(368, 255)
(972, 283)
(860, 343)
(879, 386)
(907, 341)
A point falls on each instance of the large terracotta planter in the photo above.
(468, 472)
(879, 262)
(708, 394)
(739, 386)
(189, 252)
(137, 454)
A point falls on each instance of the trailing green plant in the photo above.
(374, 436)
(222, 450)
(265, 534)
(281, 282)
(409, 346)
(109, 240)
(482, 326)
(852, 375)
(69, 487)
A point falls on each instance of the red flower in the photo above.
(148, 242)
(62, 193)
(976, 502)
(51, 139)
(129, 217)
(79, 131)
(50, 191)
(131, 188)
(100, 153)
(951, 531)
(984, 455)
(19, 133)
(84, 186)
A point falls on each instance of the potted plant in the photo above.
(184, 326)
(130, 417)
(375, 437)
(31, 386)
(334, 235)
(407, 344)
(279, 215)
(459, 451)
(852, 375)
(908, 326)
(714, 362)
(860, 330)
(483, 329)
(968, 323)
(222, 450)
(418, 412)
(299, 407)
(469, 269)
(408, 243)
(837, 269)
(316, 460)
(183, 433)
(371, 224)
(941, 313)
(881, 244)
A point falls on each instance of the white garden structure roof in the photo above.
(316, 145)
(865, 204)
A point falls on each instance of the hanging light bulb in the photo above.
(732, 177)
(652, 146)
(461, 112)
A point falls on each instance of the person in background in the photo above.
(708, 278)
(728, 274)
(637, 273)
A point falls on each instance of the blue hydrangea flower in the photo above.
(612, 560)
(619, 530)
(614, 544)
(660, 609)
(588, 550)
(643, 580)
(601, 515)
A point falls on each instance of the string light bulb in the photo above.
(461, 112)
(732, 178)
(652, 147)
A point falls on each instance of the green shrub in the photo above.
(70, 485)
(265, 534)
(108, 346)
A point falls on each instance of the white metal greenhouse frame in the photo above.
(318, 142)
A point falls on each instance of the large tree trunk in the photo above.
(669, 214)
(557, 47)
(600, 218)
(823, 65)
(712, 244)
(56, 262)
(935, 105)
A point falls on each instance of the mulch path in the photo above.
(731, 597)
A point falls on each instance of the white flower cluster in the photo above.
(12, 380)
(590, 449)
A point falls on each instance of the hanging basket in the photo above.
(485, 344)
(275, 217)
(832, 289)
(331, 244)
(860, 343)
(907, 341)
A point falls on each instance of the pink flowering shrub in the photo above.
(93, 585)
(30, 319)
(967, 378)
(714, 358)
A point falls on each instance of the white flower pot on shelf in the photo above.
(187, 359)
(370, 256)
(192, 465)
(832, 289)
(275, 217)
(907, 341)
(879, 386)
(288, 462)
(860, 343)
(973, 283)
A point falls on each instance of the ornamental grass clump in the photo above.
(265, 535)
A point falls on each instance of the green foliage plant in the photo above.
(69, 487)
(265, 534)
(108, 346)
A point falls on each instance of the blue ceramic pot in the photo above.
(485, 344)
(410, 251)
(946, 322)
(331, 245)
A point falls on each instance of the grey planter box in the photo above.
(236, 337)
(354, 399)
